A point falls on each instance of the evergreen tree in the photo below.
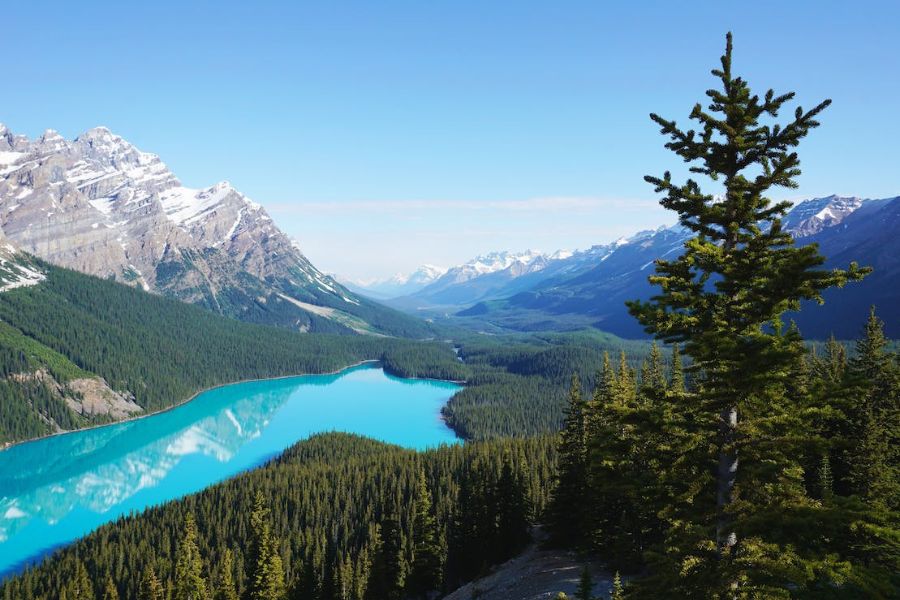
(190, 583)
(512, 512)
(568, 518)
(585, 589)
(80, 586)
(677, 385)
(618, 590)
(428, 556)
(655, 378)
(225, 588)
(151, 588)
(389, 567)
(267, 575)
(110, 592)
(874, 420)
(723, 299)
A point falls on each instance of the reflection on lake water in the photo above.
(55, 490)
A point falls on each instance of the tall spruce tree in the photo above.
(80, 586)
(225, 588)
(568, 511)
(151, 587)
(512, 512)
(110, 592)
(585, 590)
(190, 584)
(428, 556)
(723, 298)
(267, 574)
(874, 419)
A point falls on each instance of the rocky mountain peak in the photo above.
(812, 216)
(100, 205)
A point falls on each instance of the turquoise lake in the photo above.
(55, 490)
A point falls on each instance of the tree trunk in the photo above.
(728, 466)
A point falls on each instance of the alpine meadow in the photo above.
(694, 392)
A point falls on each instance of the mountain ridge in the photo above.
(589, 289)
(101, 206)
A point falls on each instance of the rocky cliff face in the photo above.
(101, 206)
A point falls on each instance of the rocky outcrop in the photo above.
(93, 396)
(87, 396)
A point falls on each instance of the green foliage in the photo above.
(225, 588)
(151, 588)
(427, 551)
(723, 298)
(585, 586)
(190, 583)
(109, 590)
(267, 574)
(618, 590)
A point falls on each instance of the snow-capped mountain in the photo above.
(590, 288)
(399, 285)
(100, 205)
(493, 262)
(473, 280)
(812, 216)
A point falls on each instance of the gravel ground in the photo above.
(534, 575)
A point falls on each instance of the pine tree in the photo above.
(874, 420)
(618, 590)
(585, 590)
(655, 378)
(388, 568)
(723, 299)
(110, 592)
(267, 575)
(190, 583)
(568, 517)
(151, 588)
(677, 385)
(80, 586)
(225, 588)
(428, 558)
(512, 512)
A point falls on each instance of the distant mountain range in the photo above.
(398, 285)
(99, 205)
(590, 287)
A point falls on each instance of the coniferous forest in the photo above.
(731, 459)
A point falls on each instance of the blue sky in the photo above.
(386, 134)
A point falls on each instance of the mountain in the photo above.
(590, 288)
(101, 206)
(484, 276)
(398, 285)
(869, 237)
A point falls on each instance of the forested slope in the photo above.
(347, 517)
(154, 352)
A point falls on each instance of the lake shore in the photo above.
(193, 396)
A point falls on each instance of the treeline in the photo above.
(518, 384)
(160, 350)
(335, 517)
(163, 351)
(636, 482)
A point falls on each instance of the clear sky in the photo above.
(387, 134)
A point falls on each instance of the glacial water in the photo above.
(54, 490)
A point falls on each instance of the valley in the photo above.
(200, 403)
(531, 291)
